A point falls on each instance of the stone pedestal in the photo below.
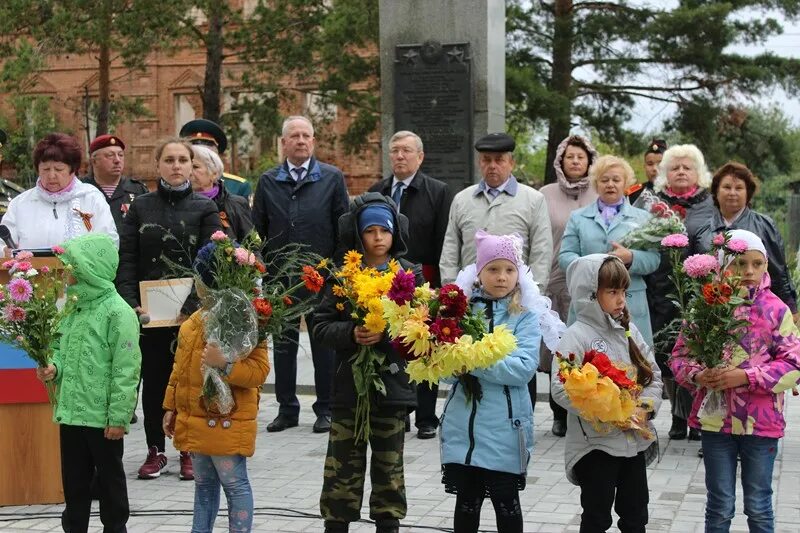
(443, 77)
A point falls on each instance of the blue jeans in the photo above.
(758, 458)
(231, 471)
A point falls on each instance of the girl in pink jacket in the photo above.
(764, 365)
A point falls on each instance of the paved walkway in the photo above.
(286, 474)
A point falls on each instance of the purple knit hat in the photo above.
(490, 247)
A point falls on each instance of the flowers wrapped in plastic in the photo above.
(31, 309)
(664, 220)
(245, 301)
(602, 392)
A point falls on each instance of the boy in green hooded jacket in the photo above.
(96, 364)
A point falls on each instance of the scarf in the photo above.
(177, 188)
(211, 193)
(684, 195)
(59, 196)
(609, 211)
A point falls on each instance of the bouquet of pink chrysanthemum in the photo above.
(30, 310)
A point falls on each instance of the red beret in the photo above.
(104, 141)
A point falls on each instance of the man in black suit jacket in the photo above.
(426, 203)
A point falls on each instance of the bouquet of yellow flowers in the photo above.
(438, 333)
(363, 287)
(602, 392)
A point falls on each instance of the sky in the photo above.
(648, 116)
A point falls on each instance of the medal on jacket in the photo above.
(124, 208)
(86, 217)
(224, 219)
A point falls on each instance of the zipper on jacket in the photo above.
(585, 436)
(55, 213)
(468, 459)
(508, 401)
(449, 398)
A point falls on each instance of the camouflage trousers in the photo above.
(346, 464)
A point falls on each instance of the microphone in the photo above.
(144, 319)
(5, 234)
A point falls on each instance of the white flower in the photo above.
(32, 272)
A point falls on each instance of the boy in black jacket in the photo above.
(374, 228)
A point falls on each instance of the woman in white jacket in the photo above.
(60, 206)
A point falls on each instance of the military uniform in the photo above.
(119, 202)
(237, 185)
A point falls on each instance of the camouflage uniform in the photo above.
(346, 463)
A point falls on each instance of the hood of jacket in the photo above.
(582, 284)
(573, 188)
(94, 259)
(348, 224)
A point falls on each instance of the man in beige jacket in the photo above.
(499, 205)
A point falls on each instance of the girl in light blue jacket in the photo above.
(487, 422)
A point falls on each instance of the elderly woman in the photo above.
(596, 228)
(732, 190)
(168, 225)
(60, 206)
(571, 191)
(234, 212)
(682, 182)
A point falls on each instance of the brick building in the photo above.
(169, 88)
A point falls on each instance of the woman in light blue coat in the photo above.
(595, 229)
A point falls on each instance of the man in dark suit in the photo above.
(300, 202)
(107, 156)
(426, 203)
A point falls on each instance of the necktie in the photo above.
(398, 193)
(299, 171)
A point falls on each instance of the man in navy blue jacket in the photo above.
(300, 201)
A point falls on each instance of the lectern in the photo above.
(29, 440)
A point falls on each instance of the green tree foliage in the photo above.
(291, 48)
(761, 138)
(583, 62)
(326, 49)
(125, 31)
(33, 119)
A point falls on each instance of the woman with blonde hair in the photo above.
(596, 228)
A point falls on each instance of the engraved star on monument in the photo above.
(410, 57)
(456, 55)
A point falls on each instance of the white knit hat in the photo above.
(753, 241)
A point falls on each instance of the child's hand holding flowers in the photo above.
(213, 356)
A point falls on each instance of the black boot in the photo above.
(336, 527)
(678, 429)
(387, 526)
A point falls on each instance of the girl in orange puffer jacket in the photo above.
(219, 446)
